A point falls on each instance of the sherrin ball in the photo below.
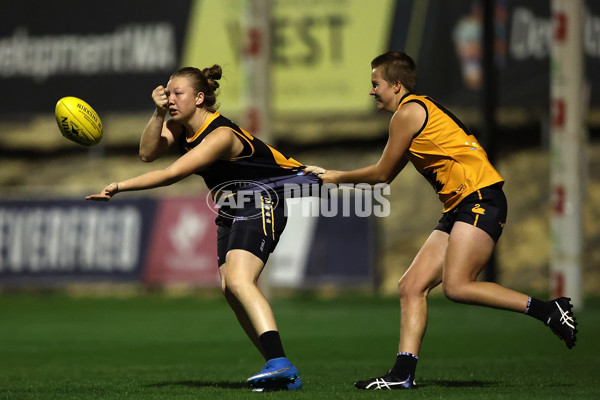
(78, 121)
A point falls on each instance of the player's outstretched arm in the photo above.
(405, 123)
(221, 144)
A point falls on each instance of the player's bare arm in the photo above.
(158, 135)
(220, 145)
(405, 123)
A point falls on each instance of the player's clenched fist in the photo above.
(161, 97)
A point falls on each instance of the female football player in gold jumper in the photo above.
(423, 132)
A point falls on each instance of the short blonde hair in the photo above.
(398, 67)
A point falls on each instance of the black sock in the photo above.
(539, 309)
(406, 364)
(271, 344)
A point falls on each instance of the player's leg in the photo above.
(224, 223)
(239, 277)
(479, 221)
(424, 274)
(244, 243)
(239, 281)
(240, 313)
(469, 249)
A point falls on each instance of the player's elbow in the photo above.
(384, 177)
(146, 156)
(390, 176)
(381, 174)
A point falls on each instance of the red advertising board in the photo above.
(183, 244)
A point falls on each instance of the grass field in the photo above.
(156, 347)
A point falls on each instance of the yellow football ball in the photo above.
(78, 121)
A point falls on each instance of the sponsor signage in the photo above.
(73, 238)
(183, 245)
(173, 241)
(320, 51)
(450, 55)
(112, 54)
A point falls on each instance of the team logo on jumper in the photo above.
(232, 196)
(473, 145)
(478, 210)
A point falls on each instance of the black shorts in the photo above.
(485, 208)
(255, 228)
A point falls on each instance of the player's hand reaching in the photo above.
(326, 176)
(313, 169)
(161, 97)
(106, 194)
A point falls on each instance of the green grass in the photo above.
(155, 347)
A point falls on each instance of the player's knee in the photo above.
(234, 285)
(224, 286)
(455, 291)
(403, 288)
(408, 288)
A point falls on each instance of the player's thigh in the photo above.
(469, 249)
(240, 268)
(425, 272)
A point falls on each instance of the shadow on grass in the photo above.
(223, 385)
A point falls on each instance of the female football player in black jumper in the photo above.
(226, 156)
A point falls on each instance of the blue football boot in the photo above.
(277, 374)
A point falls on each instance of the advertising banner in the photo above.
(113, 54)
(315, 249)
(320, 51)
(56, 240)
(173, 241)
(183, 245)
(110, 53)
(450, 53)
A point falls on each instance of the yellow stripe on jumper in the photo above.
(272, 220)
(262, 209)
